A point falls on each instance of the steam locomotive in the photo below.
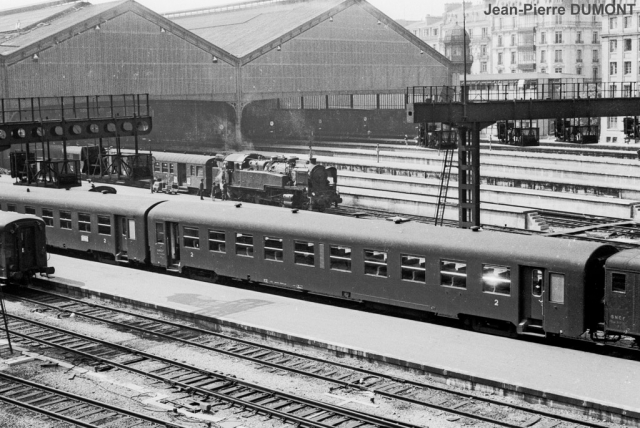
(249, 177)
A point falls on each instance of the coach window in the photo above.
(11, 208)
(273, 249)
(200, 171)
(65, 219)
(84, 222)
(536, 282)
(618, 282)
(156, 167)
(160, 233)
(304, 253)
(30, 210)
(413, 268)
(165, 167)
(244, 244)
(453, 274)
(172, 168)
(375, 263)
(340, 258)
(217, 241)
(557, 288)
(104, 225)
(47, 216)
(496, 279)
(191, 237)
(192, 170)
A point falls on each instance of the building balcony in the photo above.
(527, 66)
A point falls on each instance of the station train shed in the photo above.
(279, 68)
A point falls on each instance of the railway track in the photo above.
(342, 376)
(67, 407)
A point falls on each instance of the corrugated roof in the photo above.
(74, 16)
(26, 18)
(243, 30)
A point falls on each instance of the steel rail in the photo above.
(215, 377)
(71, 396)
(343, 383)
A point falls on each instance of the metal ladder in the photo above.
(445, 176)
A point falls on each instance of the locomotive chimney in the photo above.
(312, 161)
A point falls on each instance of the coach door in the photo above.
(125, 232)
(26, 246)
(532, 290)
(173, 246)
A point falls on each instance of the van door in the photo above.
(532, 290)
(182, 174)
(619, 306)
(173, 246)
(125, 232)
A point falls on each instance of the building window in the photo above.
(499, 41)
(191, 237)
(543, 70)
(627, 45)
(104, 225)
(413, 268)
(30, 210)
(558, 37)
(435, 31)
(579, 55)
(453, 274)
(84, 222)
(483, 67)
(558, 57)
(627, 67)
(513, 57)
(375, 263)
(557, 288)
(613, 45)
(627, 21)
(596, 56)
(558, 70)
(613, 23)
(579, 70)
(543, 38)
(499, 58)
(483, 49)
(217, 241)
(558, 19)
(47, 216)
(595, 39)
(618, 282)
(513, 40)
(304, 253)
(484, 32)
(612, 122)
(273, 249)
(543, 56)
(244, 244)
(65, 219)
(340, 258)
(579, 37)
(613, 68)
(159, 233)
(496, 279)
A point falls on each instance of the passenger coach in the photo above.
(532, 284)
(22, 247)
(106, 225)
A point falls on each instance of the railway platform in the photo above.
(561, 377)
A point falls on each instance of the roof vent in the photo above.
(238, 205)
(398, 219)
(476, 228)
(295, 210)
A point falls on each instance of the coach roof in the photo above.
(79, 200)
(7, 218)
(383, 235)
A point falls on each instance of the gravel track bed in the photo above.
(286, 382)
